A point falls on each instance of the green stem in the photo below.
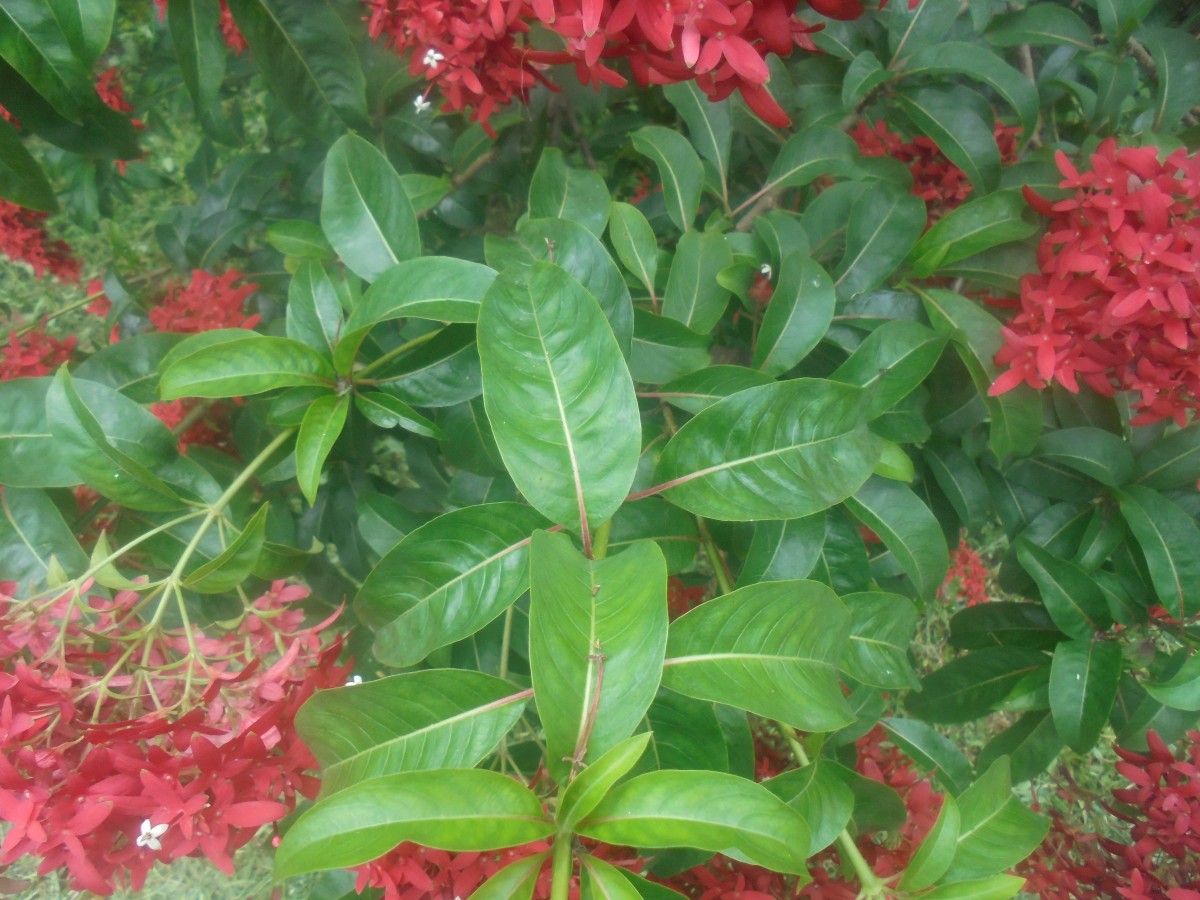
(506, 643)
(560, 886)
(393, 353)
(600, 540)
(714, 557)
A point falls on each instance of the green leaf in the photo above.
(686, 734)
(996, 831)
(365, 211)
(34, 539)
(818, 793)
(22, 180)
(441, 372)
(447, 579)
(33, 43)
(883, 627)
(664, 349)
(781, 451)
(425, 191)
(1004, 624)
(884, 224)
(308, 60)
(1041, 24)
(86, 24)
(948, 116)
(771, 648)
(891, 362)
(981, 64)
(235, 563)
(908, 529)
(129, 366)
(783, 550)
(970, 229)
(798, 316)
(931, 751)
(709, 125)
(1032, 744)
(811, 154)
(1119, 17)
(700, 390)
(933, 857)
(559, 192)
(679, 169)
(1172, 461)
(998, 887)
(111, 443)
(877, 807)
(241, 366)
(603, 881)
(1097, 453)
(30, 454)
(863, 75)
(1071, 596)
(314, 313)
(388, 412)
(707, 810)
(597, 632)
(693, 296)
(1182, 689)
(650, 890)
(515, 881)
(196, 37)
(368, 819)
(1083, 686)
(1176, 58)
(1170, 541)
(633, 239)
(589, 787)
(432, 719)
(301, 239)
(319, 431)
(960, 480)
(558, 395)
(973, 685)
(1016, 416)
(655, 519)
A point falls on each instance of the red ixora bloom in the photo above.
(23, 238)
(1114, 303)
(967, 576)
(208, 302)
(32, 354)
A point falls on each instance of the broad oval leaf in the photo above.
(432, 287)
(908, 529)
(708, 123)
(780, 451)
(240, 366)
(707, 810)
(884, 224)
(558, 395)
(798, 316)
(1083, 686)
(1171, 462)
(30, 455)
(972, 228)
(771, 648)
(558, 191)
(447, 579)
(693, 295)
(891, 362)
(1042, 23)
(679, 168)
(432, 808)
(432, 719)
(883, 627)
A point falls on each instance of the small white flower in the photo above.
(421, 103)
(150, 835)
(357, 679)
(765, 270)
(432, 58)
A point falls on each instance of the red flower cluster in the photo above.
(939, 182)
(123, 744)
(967, 576)
(682, 597)
(208, 302)
(471, 51)
(33, 353)
(413, 872)
(23, 238)
(722, 878)
(1114, 302)
(212, 430)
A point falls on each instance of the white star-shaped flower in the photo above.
(765, 270)
(150, 835)
(432, 58)
(421, 103)
(357, 679)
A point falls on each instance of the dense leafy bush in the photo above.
(617, 377)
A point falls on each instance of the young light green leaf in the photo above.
(319, 430)
(388, 412)
(936, 852)
(798, 316)
(235, 563)
(237, 366)
(996, 831)
(679, 169)
(603, 881)
(1083, 686)
(515, 881)
(771, 648)
(998, 887)
(589, 787)
(429, 808)
(597, 633)
(908, 529)
(693, 295)
(633, 239)
(559, 192)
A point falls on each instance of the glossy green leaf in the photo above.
(87, 25)
(22, 180)
(447, 579)
(589, 787)
(129, 366)
(998, 887)
(811, 154)
(33, 42)
(656, 520)
(558, 395)
(700, 390)
(1003, 623)
(604, 881)
(308, 60)
(650, 890)
(709, 124)
(1182, 689)
(444, 371)
(679, 169)
(664, 349)
(949, 117)
(798, 316)
(1170, 542)
(1040, 24)
(891, 362)
(996, 830)
(883, 627)
(884, 224)
(1031, 745)
(707, 810)
(685, 734)
(241, 365)
(633, 239)
(693, 296)
(368, 819)
(1172, 461)
(515, 881)
(196, 37)
(301, 239)
(1016, 416)
(432, 719)
(981, 64)
(319, 431)
(1083, 685)
(933, 857)
(970, 229)
(314, 314)
(365, 211)
(469, 442)
(931, 750)
(820, 796)
(558, 191)
(780, 451)
(783, 550)
(973, 685)
(771, 648)
(1118, 17)
(1071, 596)
(235, 563)
(597, 632)
(388, 412)
(34, 539)
(961, 482)
(30, 454)
(908, 529)
(1097, 453)
(877, 807)
(1177, 62)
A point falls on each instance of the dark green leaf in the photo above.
(129, 366)
(811, 154)
(314, 314)
(959, 478)
(21, 179)
(883, 626)
(1042, 23)
(86, 24)
(32, 42)
(864, 74)
(1170, 541)
(708, 123)
(997, 831)
(798, 316)
(559, 192)
(679, 168)
(931, 751)
(656, 520)
(1097, 453)
(877, 807)
(1172, 461)
(664, 349)
(196, 36)
(884, 224)
(319, 431)
(1072, 598)
(949, 117)
(1032, 744)
(30, 454)
(693, 296)
(241, 366)
(441, 372)
(1083, 685)
(970, 229)
(1003, 623)
(33, 538)
(1176, 58)
(1182, 689)
(633, 239)
(908, 529)
(891, 362)
(973, 685)
(700, 390)
(981, 64)
(301, 239)
(686, 734)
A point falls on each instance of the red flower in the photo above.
(33, 353)
(23, 238)
(967, 576)
(207, 302)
